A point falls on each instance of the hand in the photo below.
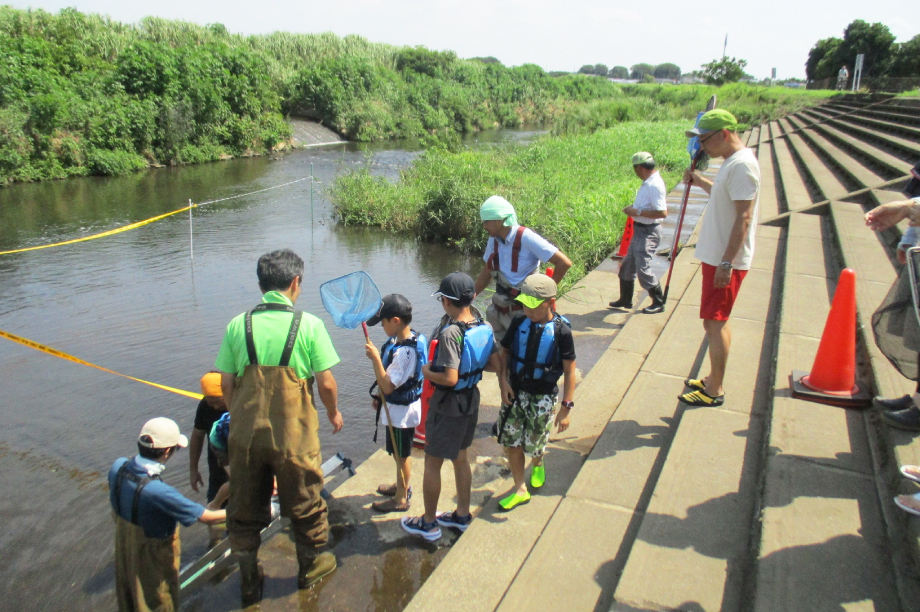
(195, 479)
(630, 211)
(690, 176)
(887, 215)
(507, 393)
(902, 255)
(562, 420)
(721, 278)
(336, 420)
(371, 351)
(375, 404)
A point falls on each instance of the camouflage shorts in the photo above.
(528, 422)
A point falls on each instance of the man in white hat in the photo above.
(146, 513)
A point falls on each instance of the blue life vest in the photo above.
(220, 432)
(410, 390)
(475, 349)
(535, 351)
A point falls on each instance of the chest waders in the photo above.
(499, 312)
(146, 569)
(274, 434)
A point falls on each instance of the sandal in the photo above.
(701, 398)
(911, 472)
(513, 501)
(390, 505)
(697, 384)
(390, 491)
(900, 500)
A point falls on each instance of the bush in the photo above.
(105, 162)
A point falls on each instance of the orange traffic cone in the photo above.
(625, 240)
(832, 379)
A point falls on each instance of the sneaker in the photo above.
(513, 501)
(537, 476)
(697, 384)
(452, 519)
(701, 398)
(416, 525)
(908, 419)
(893, 405)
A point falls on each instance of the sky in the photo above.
(551, 34)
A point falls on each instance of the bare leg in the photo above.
(463, 476)
(516, 462)
(403, 466)
(719, 335)
(432, 486)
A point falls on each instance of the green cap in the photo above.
(642, 157)
(716, 119)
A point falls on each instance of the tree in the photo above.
(600, 70)
(874, 40)
(667, 71)
(586, 69)
(618, 72)
(640, 70)
(905, 60)
(820, 64)
(720, 72)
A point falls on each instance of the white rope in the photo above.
(253, 192)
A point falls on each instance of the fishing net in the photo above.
(351, 299)
(895, 326)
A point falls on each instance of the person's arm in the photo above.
(694, 177)
(888, 215)
(744, 210)
(194, 456)
(483, 280)
(448, 378)
(329, 394)
(504, 384)
(383, 379)
(561, 263)
(223, 493)
(652, 214)
(568, 394)
(226, 387)
(212, 517)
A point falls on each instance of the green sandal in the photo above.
(513, 501)
(537, 476)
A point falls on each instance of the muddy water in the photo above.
(137, 303)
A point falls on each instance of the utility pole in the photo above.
(725, 46)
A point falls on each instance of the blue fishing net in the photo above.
(351, 299)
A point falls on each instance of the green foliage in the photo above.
(874, 40)
(822, 60)
(884, 57)
(905, 60)
(638, 71)
(667, 71)
(569, 189)
(725, 70)
(619, 72)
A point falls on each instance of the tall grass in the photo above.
(571, 190)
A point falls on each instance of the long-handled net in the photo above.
(351, 300)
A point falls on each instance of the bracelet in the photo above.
(566, 404)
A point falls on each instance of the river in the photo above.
(139, 304)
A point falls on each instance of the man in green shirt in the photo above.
(268, 361)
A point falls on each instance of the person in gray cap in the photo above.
(147, 511)
(647, 211)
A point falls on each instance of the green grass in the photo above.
(569, 189)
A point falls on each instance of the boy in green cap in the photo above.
(537, 350)
(726, 242)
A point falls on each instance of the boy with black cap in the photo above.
(398, 368)
(537, 350)
(466, 347)
(146, 511)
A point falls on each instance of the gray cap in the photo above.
(642, 157)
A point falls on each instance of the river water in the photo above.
(137, 303)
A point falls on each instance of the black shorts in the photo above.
(446, 436)
(404, 437)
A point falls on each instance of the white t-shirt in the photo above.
(400, 370)
(534, 249)
(738, 179)
(651, 196)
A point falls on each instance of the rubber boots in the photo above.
(313, 566)
(657, 296)
(626, 294)
(251, 578)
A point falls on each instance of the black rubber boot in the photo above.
(626, 294)
(313, 566)
(657, 296)
(251, 578)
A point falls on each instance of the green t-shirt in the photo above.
(313, 350)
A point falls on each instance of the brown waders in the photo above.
(503, 307)
(146, 569)
(274, 432)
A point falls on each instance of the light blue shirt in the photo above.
(534, 249)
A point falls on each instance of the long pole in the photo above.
(680, 225)
(312, 224)
(386, 409)
(191, 235)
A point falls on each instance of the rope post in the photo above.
(191, 235)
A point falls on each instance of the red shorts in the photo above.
(716, 304)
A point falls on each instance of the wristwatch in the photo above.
(726, 266)
(566, 404)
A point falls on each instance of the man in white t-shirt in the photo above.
(513, 253)
(647, 211)
(726, 242)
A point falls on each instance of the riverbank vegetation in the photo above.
(569, 189)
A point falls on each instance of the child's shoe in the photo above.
(538, 476)
(452, 519)
(513, 501)
(416, 525)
